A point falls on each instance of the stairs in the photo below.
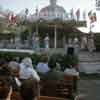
(89, 63)
(89, 90)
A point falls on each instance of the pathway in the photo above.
(89, 89)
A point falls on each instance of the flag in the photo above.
(12, 18)
(78, 14)
(72, 13)
(9, 17)
(92, 17)
(26, 11)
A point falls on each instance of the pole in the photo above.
(37, 28)
(55, 36)
(91, 40)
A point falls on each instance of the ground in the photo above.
(89, 89)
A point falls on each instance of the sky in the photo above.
(19, 5)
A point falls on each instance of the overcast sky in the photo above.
(19, 5)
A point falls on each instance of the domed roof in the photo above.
(53, 10)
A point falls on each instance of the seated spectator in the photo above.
(42, 66)
(5, 87)
(71, 71)
(30, 90)
(27, 71)
(3, 63)
(54, 73)
(5, 90)
(15, 68)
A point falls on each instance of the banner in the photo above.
(12, 19)
(72, 13)
(78, 14)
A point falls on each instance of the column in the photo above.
(55, 36)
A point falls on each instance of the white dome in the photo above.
(53, 11)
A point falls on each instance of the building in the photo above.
(98, 3)
(93, 26)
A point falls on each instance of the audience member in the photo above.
(54, 73)
(15, 68)
(42, 66)
(71, 71)
(30, 90)
(5, 87)
(27, 71)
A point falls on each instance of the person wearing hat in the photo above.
(27, 71)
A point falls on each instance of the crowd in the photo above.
(20, 80)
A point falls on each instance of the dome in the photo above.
(53, 11)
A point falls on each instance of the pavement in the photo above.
(89, 63)
(89, 90)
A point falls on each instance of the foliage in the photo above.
(11, 55)
(63, 60)
(71, 60)
(35, 58)
(66, 60)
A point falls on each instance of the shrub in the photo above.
(66, 60)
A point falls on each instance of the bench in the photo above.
(50, 98)
(57, 88)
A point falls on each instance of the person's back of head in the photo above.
(15, 68)
(5, 71)
(4, 82)
(44, 58)
(4, 89)
(29, 90)
(52, 63)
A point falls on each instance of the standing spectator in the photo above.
(76, 45)
(46, 42)
(37, 42)
(27, 71)
(91, 45)
(84, 42)
(33, 42)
